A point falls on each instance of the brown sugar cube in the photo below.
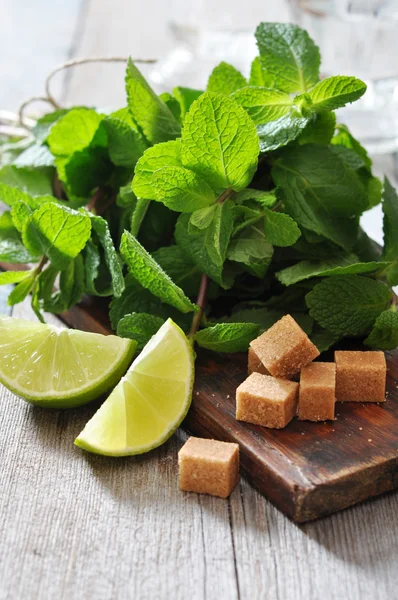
(317, 395)
(254, 364)
(208, 467)
(266, 400)
(360, 376)
(284, 348)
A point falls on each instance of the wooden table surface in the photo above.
(77, 526)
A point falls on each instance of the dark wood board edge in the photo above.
(300, 501)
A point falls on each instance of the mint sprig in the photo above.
(223, 209)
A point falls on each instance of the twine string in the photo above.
(19, 125)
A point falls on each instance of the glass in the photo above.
(208, 32)
(359, 37)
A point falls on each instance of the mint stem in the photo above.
(204, 284)
(201, 302)
(41, 264)
(226, 194)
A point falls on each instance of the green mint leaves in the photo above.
(390, 226)
(151, 114)
(384, 334)
(139, 327)
(58, 232)
(181, 189)
(289, 55)
(335, 92)
(219, 142)
(225, 79)
(227, 337)
(151, 276)
(150, 206)
(348, 305)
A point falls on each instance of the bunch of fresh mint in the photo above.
(223, 209)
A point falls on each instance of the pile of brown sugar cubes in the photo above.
(270, 398)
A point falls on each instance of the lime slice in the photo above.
(149, 403)
(60, 368)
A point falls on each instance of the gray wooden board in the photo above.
(76, 526)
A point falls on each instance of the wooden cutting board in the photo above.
(307, 470)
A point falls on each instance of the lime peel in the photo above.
(60, 368)
(150, 401)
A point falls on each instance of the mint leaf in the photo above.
(259, 76)
(348, 156)
(34, 157)
(250, 247)
(227, 337)
(225, 79)
(373, 187)
(345, 138)
(58, 232)
(186, 96)
(275, 134)
(42, 127)
(136, 298)
(139, 327)
(266, 199)
(219, 232)
(71, 287)
(172, 104)
(97, 282)
(20, 214)
(21, 291)
(125, 143)
(167, 154)
(263, 104)
(219, 142)
(289, 55)
(35, 182)
(139, 212)
(318, 189)
(147, 271)
(150, 113)
(280, 229)
(348, 305)
(335, 92)
(12, 249)
(341, 265)
(13, 276)
(181, 189)
(101, 229)
(196, 243)
(384, 334)
(9, 195)
(83, 172)
(334, 186)
(319, 130)
(202, 218)
(390, 228)
(180, 267)
(75, 131)
(309, 213)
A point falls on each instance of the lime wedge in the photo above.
(149, 403)
(59, 368)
